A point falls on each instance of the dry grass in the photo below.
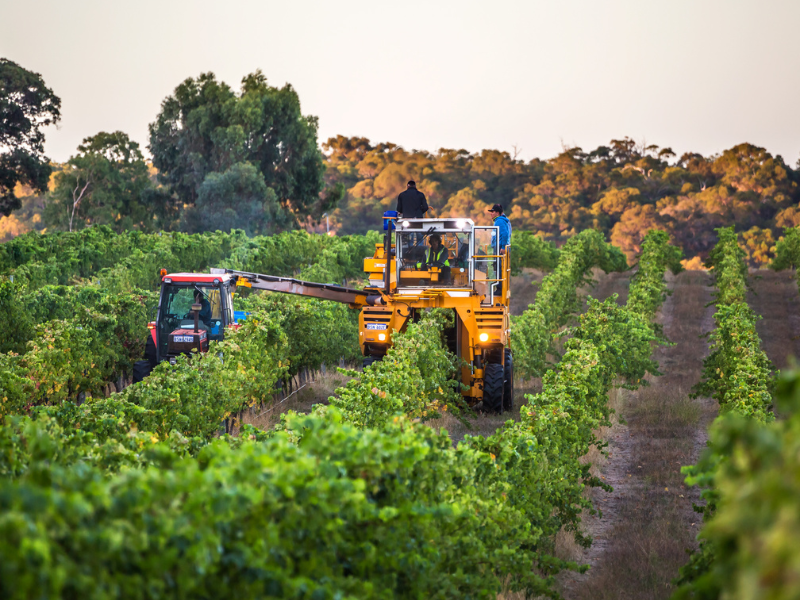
(317, 391)
(776, 299)
(648, 543)
(606, 284)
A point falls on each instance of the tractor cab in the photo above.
(193, 309)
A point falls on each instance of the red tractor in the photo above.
(196, 308)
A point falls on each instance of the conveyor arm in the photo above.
(324, 291)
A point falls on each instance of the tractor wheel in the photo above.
(141, 369)
(493, 388)
(150, 351)
(508, 381)
(368, 360)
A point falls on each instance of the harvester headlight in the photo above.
(382, 336)
(484, 337)
(461, 224)
(406, 224)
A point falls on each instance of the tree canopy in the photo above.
(103, 184)
(255, 145)
(622, 189)
(27, 105)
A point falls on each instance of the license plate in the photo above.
(184, 338)
(378, 326)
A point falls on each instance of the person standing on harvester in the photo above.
(412, 203)
(503, 227)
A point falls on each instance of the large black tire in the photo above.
(493, 388)
(141, 369)
(368, 360)
(508, 381)
(150, 351)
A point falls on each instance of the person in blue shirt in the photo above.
(504, 231)
(503, 225)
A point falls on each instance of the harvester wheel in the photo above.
(368, 360)
(508, 381)
(493, 388)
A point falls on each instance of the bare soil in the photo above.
(524, 288)
(774, 296)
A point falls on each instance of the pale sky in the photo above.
(698, 75)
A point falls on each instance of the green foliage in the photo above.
(318, 332)
(626, 336)
(103, 184)
(104, 437)
(531, 251)
(27, 106)
(196, 394)
(648, 289)
(737, 372)
(335, 515)
(748, 544)
(16, 390)
(415, 378)
(132, 496)
(557, 299)
(232, 156)
(787, 254)
(754, 530)
(540, 457)
(236, 199)
(80, 355)
(15, 322)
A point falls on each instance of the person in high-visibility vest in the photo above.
(436, 256)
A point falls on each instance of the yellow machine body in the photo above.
(482, 323)
(472, 278)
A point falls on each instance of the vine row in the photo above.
(346, 502)
(738, 374)
(557, 299)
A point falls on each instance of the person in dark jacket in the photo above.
(412, 203)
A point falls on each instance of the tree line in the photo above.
(250, 159)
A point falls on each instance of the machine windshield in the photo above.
(433, 258)
(176, 310)
(448, 253)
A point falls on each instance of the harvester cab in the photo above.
(453, 264)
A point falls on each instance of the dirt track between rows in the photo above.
(647, 522)
(774, 296)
